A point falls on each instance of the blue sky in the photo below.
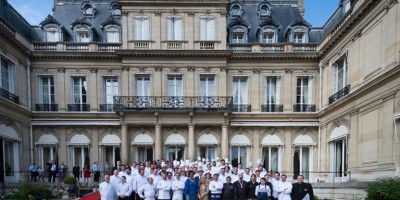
(35, 11)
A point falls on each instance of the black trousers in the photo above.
(96, 176)
(52, 175)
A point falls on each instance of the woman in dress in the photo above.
(203, 189)
(191, 187)
(86, 174)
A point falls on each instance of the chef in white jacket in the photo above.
(164, 187)
(148, 191)
(178, 188)
(284, 188)
(215, 188)
(106, 189)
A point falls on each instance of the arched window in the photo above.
(52, 34)
(88, 9)
(235, 11)
(264, 11)
(115, 10)
(113, 34)
(238, 34)
(268, 35)
(82, 34)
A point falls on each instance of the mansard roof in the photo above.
(110, 20)
(49, 20)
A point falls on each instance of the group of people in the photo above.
(180, 180)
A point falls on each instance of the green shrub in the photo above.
(384, 189)
(37, 190)
(69, 180)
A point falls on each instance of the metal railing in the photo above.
(241, 108)
(46, 107)
(215, 103)
(272, 108)
(108, 47)
(240, 48)
(106, 107)
(272, 48)
(78, 107)
(339, 94)
(9, 96)
(304, 108)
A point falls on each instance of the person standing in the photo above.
(107, 168)
(275, 183)
(302, 190)
(96, 172)
(216, 188)
(228, 190)
(63, 171)
(124, 189)
(191, 187)
(52, 169)
(75, 171)
(240, 188)
(284, 189)
(251, 187)
(34, 172)
(204, 191)
(164, 187)
(139, 181)
(148, 191)
(178, 188)
(86, 174)
(262, 191)
(106, 189)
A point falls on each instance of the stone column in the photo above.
(158, 147)
(61, 94)
(256, 145)
(191, 142)
(224, 142)
(125, 81)
(93, 98)
(124, 143)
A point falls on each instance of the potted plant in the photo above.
(70, 186)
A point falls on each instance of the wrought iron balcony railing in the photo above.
(106, 107)
(78, 107)
(46, 107)
(339, 94)
(272, 108)
(241, 108)
(215, 103)
(9, 96)
(304, 108)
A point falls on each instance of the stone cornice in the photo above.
(174, 3)
(175, 53)
(74, 55)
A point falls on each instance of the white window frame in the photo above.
(176, 152)
(49, 93)
(207, 89)
(297, 39)
(82, 83)
(241, 148)
(136, 152)
(113, 34)
(52, 148)
(235, 35)
(141, 27)
(177, 89)
(114, 149)
(81, 163)
(207, 149)
(207, 28)
(267, 11)
(56, 37)
(82, 31)
(269, 167)
(114, 89)
(143, 85)
(344, 156)
(305, 173)
(269, 90)
(238, 98)
(303, 88)
(9, 73)
(174, 28)
(340, 66)
(267, 40)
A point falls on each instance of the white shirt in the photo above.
(115, 180)
(216, 187)
(164, 187)
(234, 178)
(130, 178)
(275, 184)
(124, 189)
(246, 177)
(263, 188)
(156, 178)
(121, 173)
(284, 189)
(148, 192)
(178, 188)
(138, 182)
(222, 178)
(107, 191)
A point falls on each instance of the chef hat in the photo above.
(207, 160)
(170, 170)
(203, 159)
(212, 160)
(249, 164)
(217, 158)
(187, 161)
(198, 158)
(258, 161)
(162, 164)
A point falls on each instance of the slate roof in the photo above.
(8, 13)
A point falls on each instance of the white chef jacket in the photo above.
(148, 192)
(156, 178)
(275, 184)
(115, 180)
(222, 178)
(164, 188)
(107, 191)
(178, 187)
(216, 187)
(246, 177)
(138, 182)
(124, 189)
(130, 178)
(284, 190)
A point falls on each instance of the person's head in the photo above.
(300, 179)
(247, 170)
(95, 162)
(227, 168)
(177, 176)
(214, 163)
(164, 176)
(191, 174)
(134, 164)
(222, 171)
(283, 177)
(123, 179)
(266, 176)
(234, 171)
(150, 181)
(277, 176)
(228, 179)
(76, 164)
(123, 167)
(208, 166)
(200, 172)
(115, 172)
(118, 163)
(258, 172)
(253, 178)
(222, 162)
(141, 172)
(33, 163)
(154, 171)
(239, 166)
(262, 181)
(215, 177)
(269, 173)
(107, 178)
(128, 170)
(208, 175)
(240, 176)
(260, 167)
(203, 180)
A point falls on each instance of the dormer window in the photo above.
(52, 34)
(115, 10)
(297, 31)
(235, 11)
(113, 34)
(82, 35)
(88, 9)
(268, 35)
(238, 35)
(264, 10)
(299, 36)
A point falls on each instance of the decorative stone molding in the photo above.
(337, 122)
(270, 131)
(174, 11)
(391, 4)
(397, 100)
(302, 131)
(93, 70)
(141, 11)
(223, 69)
(190, 13)
(191, 68)
(223, 13)
(157, 13)
(77, 69)
(124, 12)
(240, 70)
(5, 120)
(61, 69)
(141, 68)
(125, 68)
(288, 70)
(256, 70)
(174, 69)
(109, 69)
(207, 69)
(158, 68)
(208, 11)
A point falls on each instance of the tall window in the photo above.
(299, 37)
(175, 153)
(80, 154)
(207, 152)
(268, 36)
(6, 71)
(239, 155)
(79, 90)
(239, 90)
(112, 35)
(142, 85)
(339, 157)
(272, 90)
(46, 153)
(52, 34)
(340, 73)
(207, 85)
(82, 35)
(46, 90)
(111, 89)
(144, 153)
(9, 152)
(304, 90)
(207, 28)
(238, 35)
(302, 161)
(111, 153)
(271, 157)
(174, 31)
(141, 28)
(175, 85)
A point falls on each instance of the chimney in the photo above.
(301, 7)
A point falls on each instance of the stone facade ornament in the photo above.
(61, 69)
(93, 70)
(256, 70)
(191, 68)
(125, 68)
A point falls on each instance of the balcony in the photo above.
(273, 48)
(141, 45)
(106, 107)
(339, 94)
(207, 45)
(108, 47)
(174, 45)
(272, 108)
(304, 108)
(76, 46)
(78, 107)
(242, 108)
(159, 103)
(240, 48)
(46, 107)
(9, 96)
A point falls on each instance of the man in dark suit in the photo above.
(241, 188)
(301, 189)
(52, 169)
(228, 191)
